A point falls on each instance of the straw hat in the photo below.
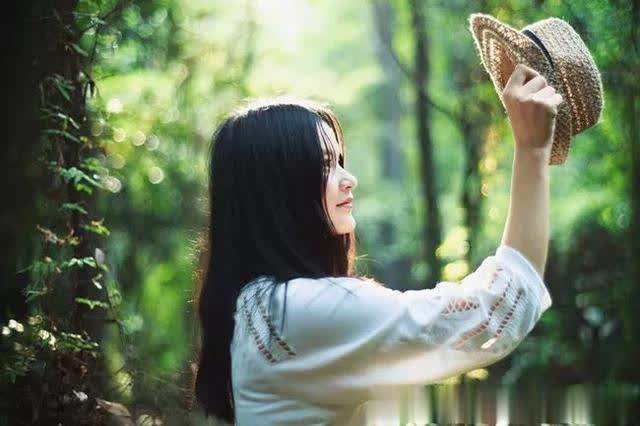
(556, 51)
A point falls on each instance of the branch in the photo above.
(385, 42)
(453, 116)
(104, 18)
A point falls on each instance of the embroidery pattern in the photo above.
(272, 330)
(509, 314)
(485, 324)
(263, 330)
(464, 305)
(460, 305)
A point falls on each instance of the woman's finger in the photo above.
(545, 92)
(552, 104)
(556, 99)
(520, 75)
(530, 73)
(536, 83)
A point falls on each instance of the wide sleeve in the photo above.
(349, 337)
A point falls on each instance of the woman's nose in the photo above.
(349, 182)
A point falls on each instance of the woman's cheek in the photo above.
(333, 188)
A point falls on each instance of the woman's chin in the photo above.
(347, 225)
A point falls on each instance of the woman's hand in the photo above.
(532, 107)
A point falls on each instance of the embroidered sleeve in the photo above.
(355, 337)
(257, 323)
(491, 310)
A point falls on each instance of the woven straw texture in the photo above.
(570, 70)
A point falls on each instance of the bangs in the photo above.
(325, 139)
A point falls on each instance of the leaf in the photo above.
(64, 134)
(92, 303)
(81, 187)
(93, 164)
(63, 85)
(78, 49)
(30, 295)
(50, 236)
(64, 93)
(95, 281)
(79, 262)
(99, 255)
(39, 270)
(75, 342)
(68, 207)
(57, 115)
(97, 228)
(76, 175)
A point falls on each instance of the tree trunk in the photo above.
(395, 272)
(631, 112)
(46, 80)
(471, 198)
(433, 232)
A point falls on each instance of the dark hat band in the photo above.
(537, 41)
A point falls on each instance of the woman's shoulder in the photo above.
(335, 283)
(302, 287)
(329, 292)
(317, 308)
(333, 309)
(308, 304)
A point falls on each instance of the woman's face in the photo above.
(340, 183)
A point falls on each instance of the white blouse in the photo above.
(344, 340)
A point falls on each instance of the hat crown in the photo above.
(554, 49)
(576, 72)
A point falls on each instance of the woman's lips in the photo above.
(348, 205)
(347, 202)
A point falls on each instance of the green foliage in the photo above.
(78, 177)
(63, 85)
(62, 278)
(79, 262)
(26, 345)
(163, 97)
(40, 272)
(129, 172)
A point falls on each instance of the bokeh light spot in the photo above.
(138, 138)
(156, 175)
(114, 106)
(119, 134)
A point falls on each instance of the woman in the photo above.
(289, 335)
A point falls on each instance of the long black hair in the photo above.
(268, 216)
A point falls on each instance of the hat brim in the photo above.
(501, 48)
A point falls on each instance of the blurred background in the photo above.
(109, 110)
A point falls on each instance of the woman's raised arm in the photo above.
(532, 106)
